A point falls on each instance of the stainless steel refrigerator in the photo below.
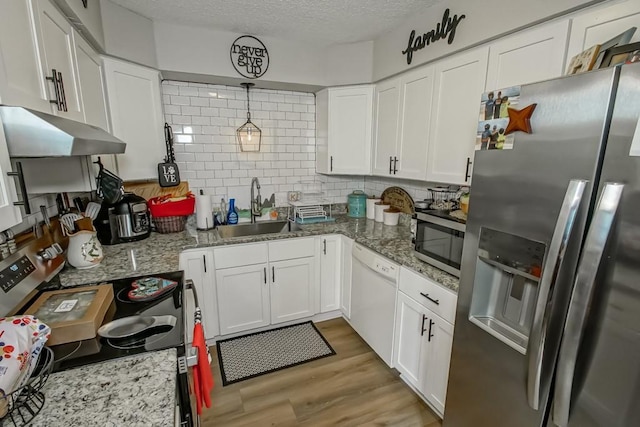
(548, 321)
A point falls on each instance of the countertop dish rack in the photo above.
(310, 211)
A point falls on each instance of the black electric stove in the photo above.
(99, 349)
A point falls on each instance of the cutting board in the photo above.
(151, 189)
(398, 198)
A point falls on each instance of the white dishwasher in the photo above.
(373, 299)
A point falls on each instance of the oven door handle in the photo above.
(191, 353)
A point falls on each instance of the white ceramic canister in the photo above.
(391, 216)
(379, 211)
(371, 203)
(84, 251)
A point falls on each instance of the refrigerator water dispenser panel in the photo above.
(505, 286)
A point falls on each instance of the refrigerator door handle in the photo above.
(550, 271)
(581, 298)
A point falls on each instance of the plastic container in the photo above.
(357, 204)
(391, 216)
(163, 206)
(371, 211)
(380, 207)
(232, 216)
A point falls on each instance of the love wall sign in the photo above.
(443, 30)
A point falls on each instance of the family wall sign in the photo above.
(445, 29)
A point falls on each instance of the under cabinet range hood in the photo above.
(31, 133)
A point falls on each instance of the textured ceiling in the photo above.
(320, 22)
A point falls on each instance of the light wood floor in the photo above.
(352, 388)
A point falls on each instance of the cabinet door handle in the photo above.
(324, 246)
(395, 165)
(423, 330)
(56, 88)
(331, 166)
(435, 301)
(273, 274)
(431, 323)
(23, 188)
(390, 165)
(64, 96)
(265, 275)
(204, 262)
(466, 173)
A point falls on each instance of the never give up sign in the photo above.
(249, 57)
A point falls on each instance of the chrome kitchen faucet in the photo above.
(256, 201)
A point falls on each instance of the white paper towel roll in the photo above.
(204, 214)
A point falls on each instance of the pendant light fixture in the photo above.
(249, 135)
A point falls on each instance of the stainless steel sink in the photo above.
(267, 227)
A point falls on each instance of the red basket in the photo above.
(161, 206)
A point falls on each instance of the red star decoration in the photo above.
(520, 120)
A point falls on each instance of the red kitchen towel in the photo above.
(202, 377)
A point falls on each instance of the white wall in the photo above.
(484, 20)
(350, 63)
(128, 35)
(204, 118)
(206, 51)
(90, 17)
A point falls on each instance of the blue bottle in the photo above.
(232, 215)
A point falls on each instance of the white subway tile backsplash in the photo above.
(205, 117)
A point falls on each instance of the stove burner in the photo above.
(148, 336)
(123, 296)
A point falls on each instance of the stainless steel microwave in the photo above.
(438, 241)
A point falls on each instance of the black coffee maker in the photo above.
(127, 220)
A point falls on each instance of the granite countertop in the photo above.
(160, 252)
(133, 391)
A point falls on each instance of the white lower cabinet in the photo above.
(436, 360)
(243, 298)
(292, 290)
(408, 342)
(345, 268)
(330, 272)
(423, 339)
(263, 284)
(198, 267)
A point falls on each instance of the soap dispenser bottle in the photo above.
(232, 216)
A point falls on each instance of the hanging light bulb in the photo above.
(249, 135)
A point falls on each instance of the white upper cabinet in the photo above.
(601, 24)
(459, 83)
(528, 56)
(9, 213)
(403, 117)
(57, 52)
(92, 88)
(387, 117)
(416, 96)
(21, 78)
(343, 130)
(135, 106)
